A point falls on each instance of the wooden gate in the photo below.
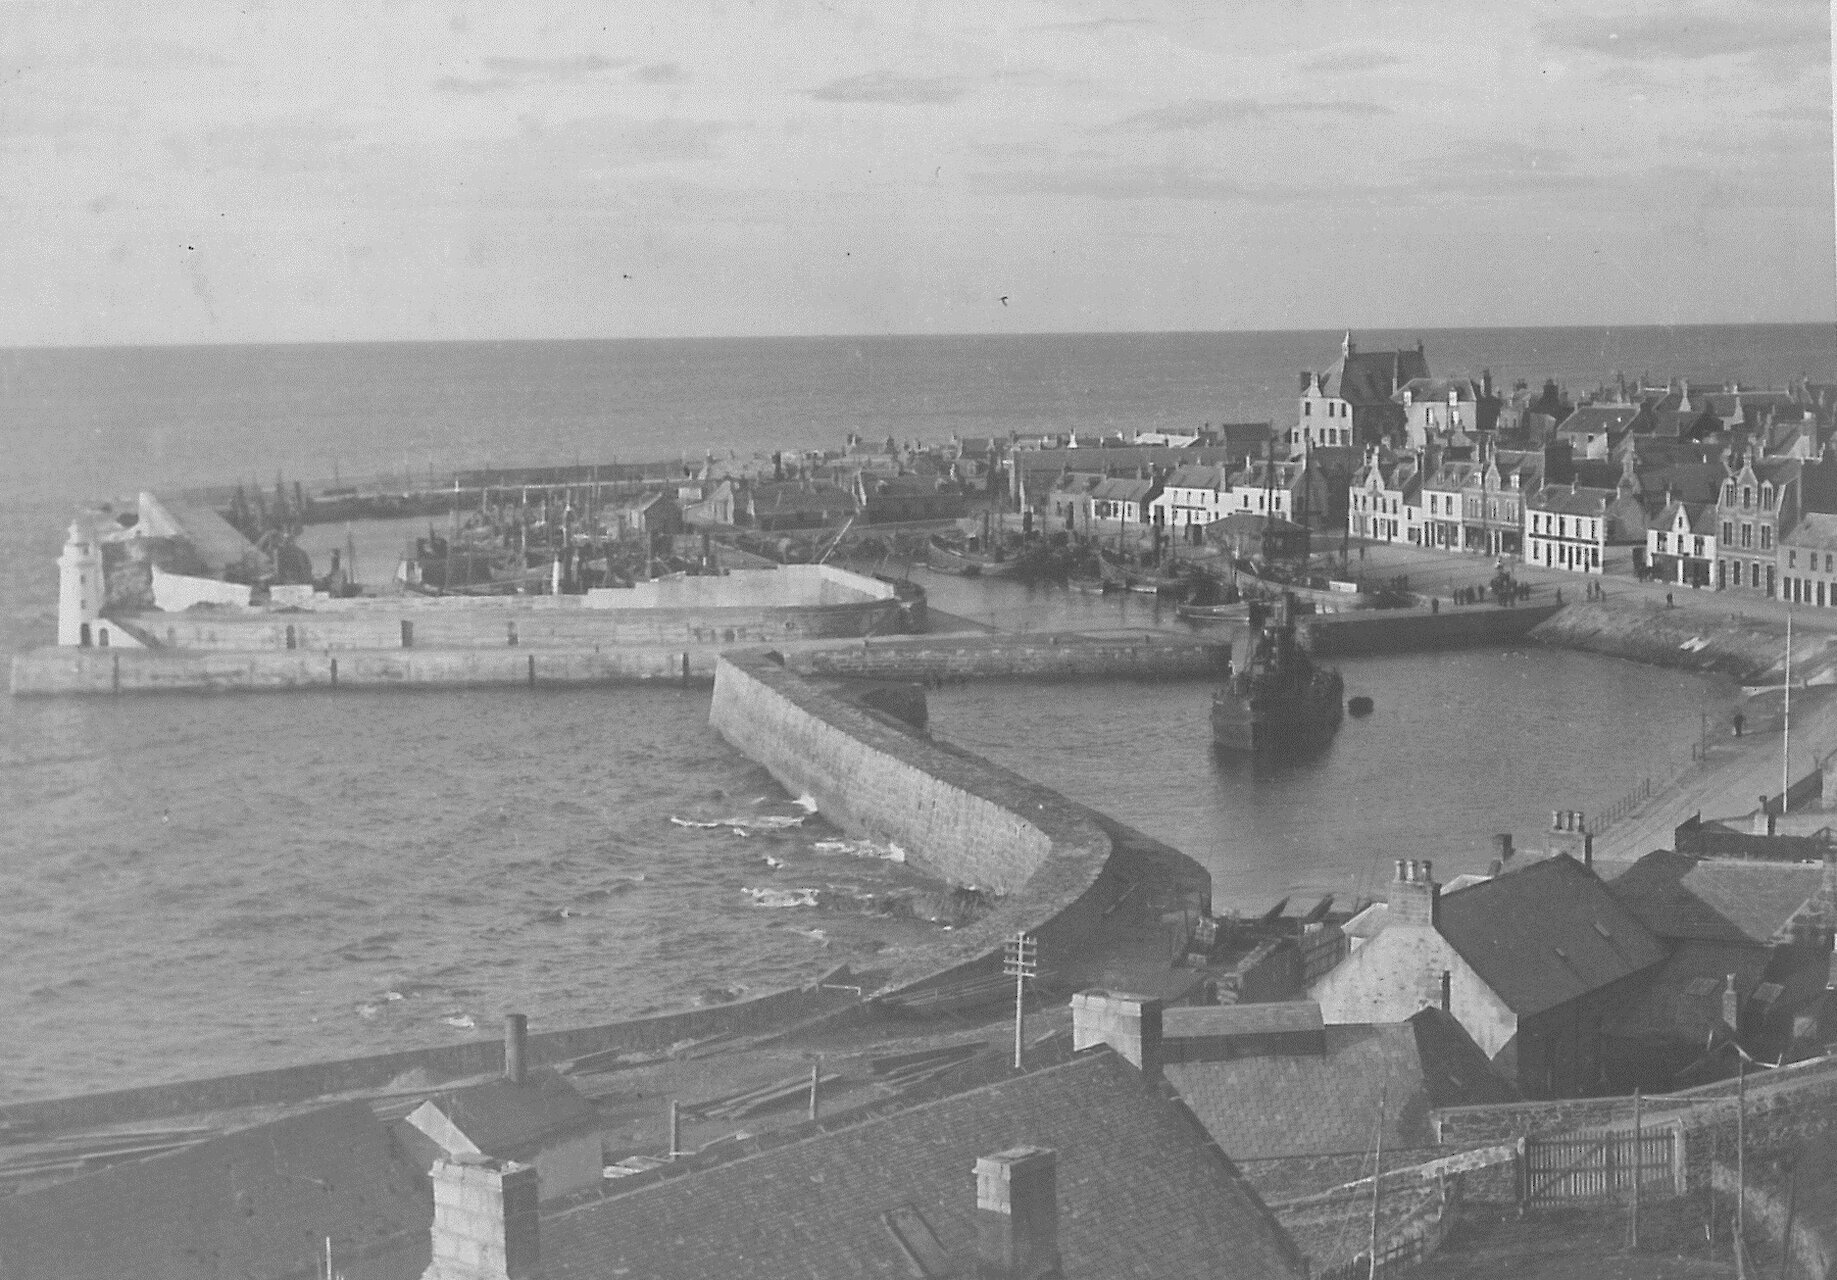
(1604, 1166)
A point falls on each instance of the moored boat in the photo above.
(966, 563)
(1277, 700)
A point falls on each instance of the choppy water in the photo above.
(191, 885)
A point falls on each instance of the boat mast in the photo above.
(1786, 718)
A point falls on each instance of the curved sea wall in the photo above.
(1752, 650)
(957, 816)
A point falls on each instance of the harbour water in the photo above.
(197, 885)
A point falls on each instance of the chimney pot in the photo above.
(1428, 872)
(1400, 873)
(516, 1047)
(1502, 846)
(1017, 1214)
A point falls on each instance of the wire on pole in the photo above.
(1020, 962)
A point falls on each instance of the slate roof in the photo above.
(1319, 1104)
(1676, 895)
(508, 1120)
(1466, 390)
(1546, 935)
(1255, 1019)
(1142, 1193)
(1693, 482)
(1683, 998)
(1118, 489)
(1217, 479)
(1814, 530)
(1698, 517)
(1372, 377)
(250, 1204)
(1573, 500)
(1611, 419)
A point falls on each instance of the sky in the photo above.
(220, 172)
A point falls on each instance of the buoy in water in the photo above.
(1359, 706)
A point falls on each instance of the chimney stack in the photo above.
(516, 1047)
(485, 1225)
(1502, 848)
(1415, 898)
(1731, 1006)
(1129, 1024)
(1017, 1214)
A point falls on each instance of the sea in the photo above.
(193, 885)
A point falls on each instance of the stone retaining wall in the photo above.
(1414, 630)
(1751, 650)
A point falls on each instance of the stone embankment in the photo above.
(1052, 865)
(1751, 650)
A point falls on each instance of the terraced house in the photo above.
(1566, 527)
(1681, 544)
(1758, 500)
(1352, 402)
(1808, 555)
(1384, 503)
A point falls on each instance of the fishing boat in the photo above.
(1209, 612)
(1278, 700)
(965, 561)
(1143, 579)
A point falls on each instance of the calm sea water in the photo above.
(192, 885)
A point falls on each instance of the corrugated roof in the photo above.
(251, 1204)
(1319, 1104)
(1142, 1192)
(1546, 935)
(507, 1120)
(1676, 895)
(1193, 1021)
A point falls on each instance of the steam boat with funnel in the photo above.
(1277, 699)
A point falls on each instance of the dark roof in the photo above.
(1682, 998)
(507, 1120)
(1142, 1192)
(253, 1203)
(1575, 500)
(1240, 1019)
(1716, 899)
(1276, 1105)
(1815, 530)
(1120, 489)
(1372, 377)
(1032, 461)
(794, 495)
(1609, 418)
(1545, 935)
(1215, 478)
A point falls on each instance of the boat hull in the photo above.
(1282, 723)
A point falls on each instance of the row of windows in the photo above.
(1560, 555)
(1807, 591)
(1560, 526)
(1695, 544)
(1811, 560)
(1747, 496)
(1307, 409)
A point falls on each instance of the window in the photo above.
(1747, 535)
(1792, 559)
(1307, 408)
(1728, 532)
(1696, 547)
(1766, 497)
(1747, 497)
(1728, 494)
(1766, 537)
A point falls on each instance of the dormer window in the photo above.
(1728, 494)
(1766, 497)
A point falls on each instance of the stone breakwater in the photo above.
(1051, 864)
(1373, 631)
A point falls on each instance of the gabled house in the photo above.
(1068, 504)
(1267, 488)
(1440, 408)
(1568, 527)
(1352, 402)
(1759, 499)
(538, 1119)
(1681, 544)
(1119, 504)
(1449, 522)
(1381, 489)
(1527, 962)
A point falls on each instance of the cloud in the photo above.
(1138, 182)
(507, 74)
(1656, 37)
(897, 90)
(1204, 113)
(659, 73)
(1350, 58)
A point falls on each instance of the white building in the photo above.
(1192, 496)
(1384, 501)
(1681, 544)
(1566, 527)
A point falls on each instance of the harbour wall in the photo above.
(64, 670)
(766, 1014)
(1370, 631)
(957, 816)
(1751, 650)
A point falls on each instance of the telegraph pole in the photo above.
(1021, 963)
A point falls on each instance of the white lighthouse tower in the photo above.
(80, 586)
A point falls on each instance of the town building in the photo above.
(1032, 473)
(1759, 499)
(1381, 491)
(1568, 527)
(1527, 962)
(1808, 561)
(1444, 505)
(1118, 505)
(1681, 544)
(1267, 488)
(1436, 409)
(1352, 402)
(1068, 502)
(1593, 430)
(532, 1116)
(1190, 499)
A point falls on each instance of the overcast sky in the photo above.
(199, 172)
